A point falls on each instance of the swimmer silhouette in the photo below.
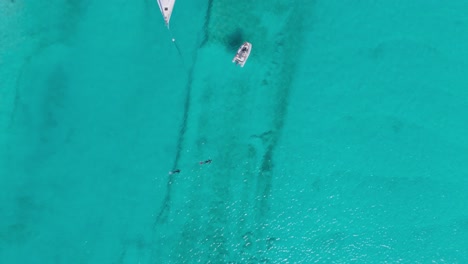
(205, 162)
(174, 171)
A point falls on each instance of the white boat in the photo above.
(166, 7)
(242, 54)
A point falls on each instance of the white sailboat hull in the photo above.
(166, 7)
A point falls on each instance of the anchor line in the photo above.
(164, 211)
(178, 49)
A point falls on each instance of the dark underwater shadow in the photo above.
(234, 40)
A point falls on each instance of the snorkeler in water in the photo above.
(205, 162)
(174, 172)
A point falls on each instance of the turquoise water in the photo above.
(343, 139)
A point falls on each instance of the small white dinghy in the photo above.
(242, 54)
(166, 7)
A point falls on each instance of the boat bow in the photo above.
(166, 7)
